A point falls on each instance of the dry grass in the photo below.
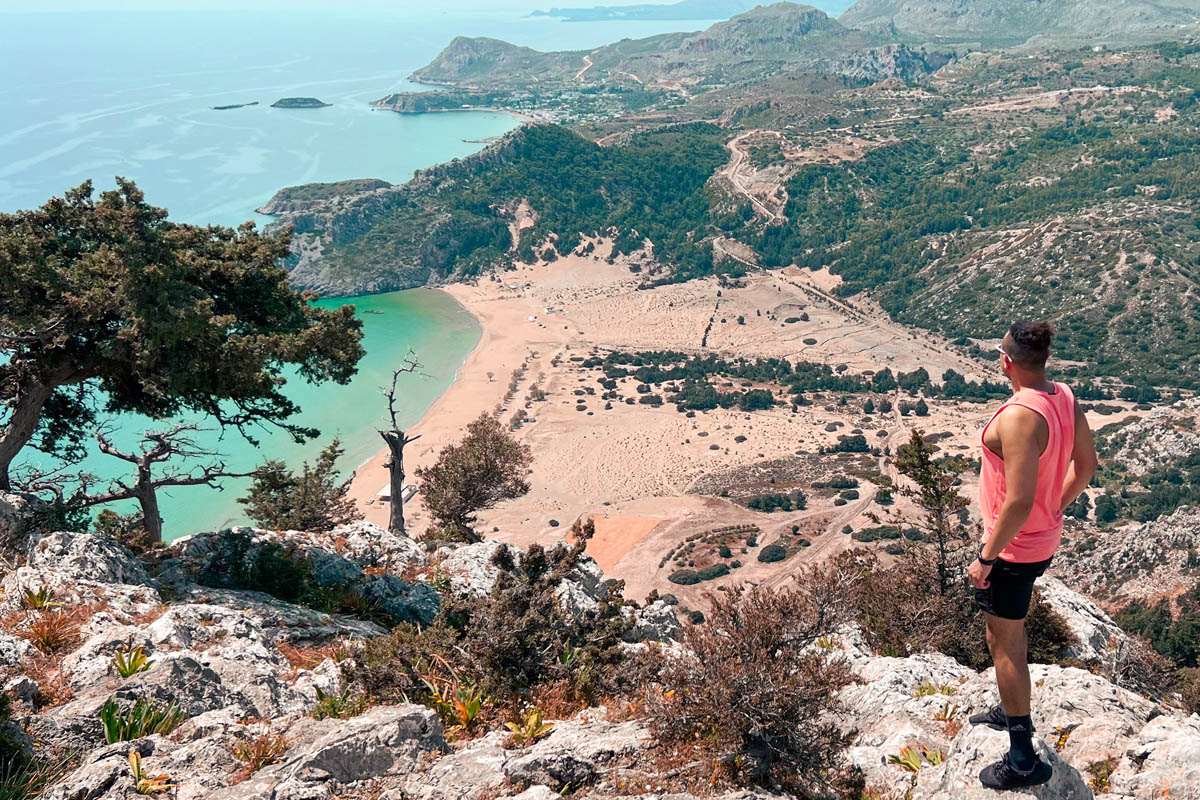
(51, 631)
(258, 753)
(311, 657)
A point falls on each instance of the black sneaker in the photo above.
(994, 718)
(1002, 775)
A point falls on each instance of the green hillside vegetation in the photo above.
(652, 187)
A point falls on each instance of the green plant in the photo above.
(908, 760)
(147, 784)
(260, 752)
(131, 662)
(947, 714)
(928, 688)
(457, 703)
(1101, 772)
(934, 756)
(141, 719)
(826, 642)
(342, 705)
(530, 729)
(42, 597)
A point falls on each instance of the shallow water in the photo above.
(93, 95)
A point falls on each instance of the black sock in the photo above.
(1020, 743)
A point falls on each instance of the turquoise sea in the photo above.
(93, 95)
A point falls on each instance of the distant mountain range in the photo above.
(684, 9)
(753, 45)
(1018, 21)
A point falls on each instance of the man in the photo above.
(1038, 456)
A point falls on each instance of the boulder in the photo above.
(325, 756)
(576, 752)
(471, 568)
(65, 558)
(1099, 637)
(656, 622)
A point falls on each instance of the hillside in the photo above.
(1007, 22)
(753, 45)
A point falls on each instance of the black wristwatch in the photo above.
(987, 562)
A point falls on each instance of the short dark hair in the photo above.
(1030, 342)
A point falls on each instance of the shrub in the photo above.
(488, 465)
(143, 718)
(339, 705)
(684, 577)
(714, 571)
(260, 752)
(771, 554)
(314, 500)
(755, 698)
(725, 552)
(52, 630)
(516, 640)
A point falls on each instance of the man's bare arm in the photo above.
(1018, 428)
(1083, 460)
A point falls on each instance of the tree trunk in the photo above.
(395, 442)
(27, 411)
(147, 497)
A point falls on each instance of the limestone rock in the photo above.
(1099, 637)
(68, 557)
(657, 622)
(386, 741)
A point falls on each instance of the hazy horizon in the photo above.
(448, 6)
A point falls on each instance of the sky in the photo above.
(199, 5)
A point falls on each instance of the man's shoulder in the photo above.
(1018, 418)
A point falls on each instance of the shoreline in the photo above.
(525, 117)
(503, 346)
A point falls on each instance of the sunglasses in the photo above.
(1000, 349)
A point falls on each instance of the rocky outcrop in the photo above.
(1135, 561)
(1164, 436)
(220, 655)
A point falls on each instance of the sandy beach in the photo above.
(638, 470)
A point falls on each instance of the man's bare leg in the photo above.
(1010, 653)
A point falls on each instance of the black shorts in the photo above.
(1010, 588)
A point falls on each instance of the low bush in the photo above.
(756, 699)
(713, 571)
(514, 642)
(685, 577)
(771, 554)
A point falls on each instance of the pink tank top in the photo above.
(1039, 537)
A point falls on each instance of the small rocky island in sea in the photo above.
(235, 105)
(299, 102)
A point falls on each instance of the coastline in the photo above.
(505, 339)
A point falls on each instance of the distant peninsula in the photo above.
(299, 102)
(235, 105)
(684, 9)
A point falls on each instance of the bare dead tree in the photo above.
(397, 440)
(156, 448)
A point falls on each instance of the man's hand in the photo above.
(978, 573)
